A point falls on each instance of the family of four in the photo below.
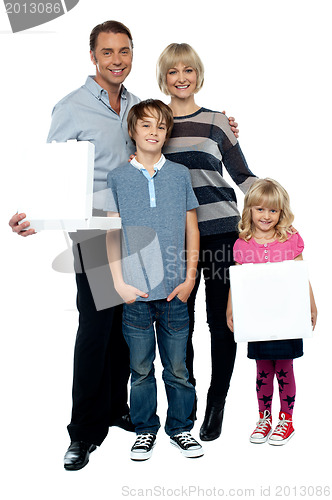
(174, 186)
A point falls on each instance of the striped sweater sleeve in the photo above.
(232, 156)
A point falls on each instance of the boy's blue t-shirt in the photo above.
(153, 242)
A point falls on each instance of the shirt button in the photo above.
(266, 257)
(265, 251)
(265, 244)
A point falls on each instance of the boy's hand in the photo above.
(182, 291)
(129, 293)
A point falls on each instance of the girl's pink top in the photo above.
(251, 252)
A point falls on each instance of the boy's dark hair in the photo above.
(147, 108)
(108, 27)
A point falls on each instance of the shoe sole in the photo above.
(207, 438)
(280, 442)
(189, 453)
(141, 456)
(262, 440)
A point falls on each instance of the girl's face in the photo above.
(181, 81)
(264, 219)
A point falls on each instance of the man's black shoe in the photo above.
(124, 422)
(77, 455)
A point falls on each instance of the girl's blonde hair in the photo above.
(267, 193)
(178, 53)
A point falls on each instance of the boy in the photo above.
(154, 198)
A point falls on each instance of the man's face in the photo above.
(112, 57)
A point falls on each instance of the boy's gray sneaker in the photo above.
(188, 446)
(143, 446)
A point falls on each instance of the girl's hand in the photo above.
(229, 318)
(229, 313)
(313, 317)
(313, 307)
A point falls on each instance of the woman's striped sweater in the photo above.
(203, 142)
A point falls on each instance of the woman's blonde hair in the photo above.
(178, 53)
(267, 193)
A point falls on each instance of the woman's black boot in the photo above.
(211, 427)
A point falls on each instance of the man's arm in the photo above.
(192, 247)
(63, 125)
(113, 242)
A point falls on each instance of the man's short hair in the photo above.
(179, 53)
(108, 27)
(150, 107)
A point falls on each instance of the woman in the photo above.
(203, 141)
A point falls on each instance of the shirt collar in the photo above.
(156, 166)
(98, 91)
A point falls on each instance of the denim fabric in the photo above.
(171, 324)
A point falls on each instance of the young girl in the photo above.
(203, 141)
(266, 236)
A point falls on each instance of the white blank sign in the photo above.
(270, 301)
(57, 187)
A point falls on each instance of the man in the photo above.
(97, 112)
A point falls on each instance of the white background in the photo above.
(268, 64)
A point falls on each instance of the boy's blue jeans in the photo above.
(172, 327)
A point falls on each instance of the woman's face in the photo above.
(181, 81)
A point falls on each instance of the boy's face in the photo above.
(150, 134)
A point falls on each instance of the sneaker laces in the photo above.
(282, 426)
(186, 439)
(143, 440)
(263, 422)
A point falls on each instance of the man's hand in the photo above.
(233, 125)
(129, 293)
(21, 228)
(182, 291)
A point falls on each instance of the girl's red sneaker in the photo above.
(284, 430)
(263, 429)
